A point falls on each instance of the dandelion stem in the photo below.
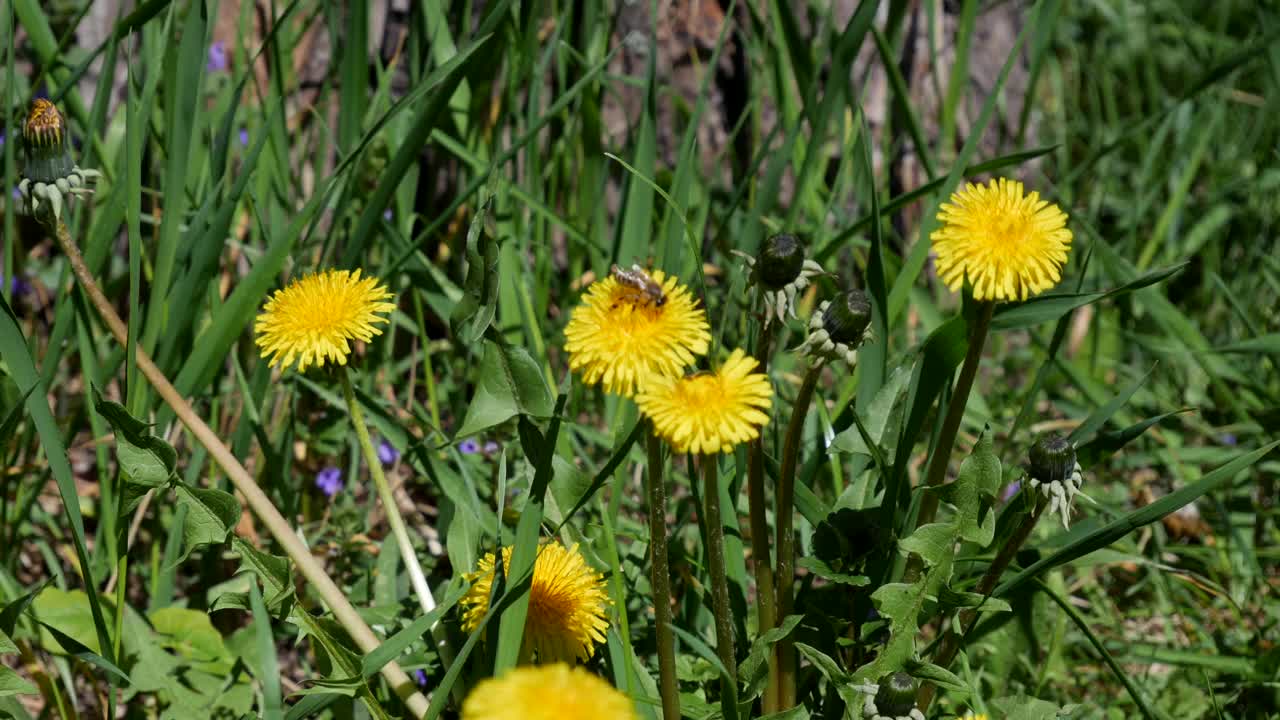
(955, 412)
(785, 650)
(407, 552)
(761, 556)
(951, 642)
(660, 578)
(244, 483)
(719, 579)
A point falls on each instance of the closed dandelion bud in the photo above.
(897, 695)
(1052, 458)
(780, 261)
(45, 136)
(847, 317)
(50, 176)
(1053, 471)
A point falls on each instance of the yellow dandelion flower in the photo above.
(548, 692)
(1008, 245)
(973, 716)
(314, 319)
(709, 412)
(618, 336)
(567, 603)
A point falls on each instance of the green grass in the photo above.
(486, 164)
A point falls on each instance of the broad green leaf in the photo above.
(827, 665)
(66, 610)
(974, 491)
(11, 683)
(819, 568)
(1025, 708)
(510, 384)
(147, 459)
(936, 675)
(211, 514)
(272, 570)
(474, 313)
(882, 418)
(933, 542)
(6, 644)
(191, 635)
(80, 651)
(751, 670)
(949, 599)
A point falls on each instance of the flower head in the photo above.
(314, 320)
(550, 692)
(779, 272)
(470, 446)
(618, 336)
(329, 480)
(838, 328)
(567, 602)
(974, 716)
(217, 57)
(709, 412)
(1052, 469)
(1009, 246)
(387, 453)
(49, 175)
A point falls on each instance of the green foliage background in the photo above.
(482, 168)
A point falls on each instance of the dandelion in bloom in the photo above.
(469, 447)
(709, 412)
(1007, 245)
(974, 716)
(620, 335)
(567, 603)
(314, 319)
(329, 480)
(550, 692)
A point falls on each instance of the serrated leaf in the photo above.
(933, 542)
(935, 674)
(146, 459)
(819, 568)
(474, 313)
(6, 644)
(827, 665)
(510, 384)
(974, 491)
(11, 683)
(211, 514)
(272, 570)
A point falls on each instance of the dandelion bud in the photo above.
(1052, 458)
(50, 176)
(780, 261)
(1053, 470)
(847, 317)
(45, 136)
(897, 695)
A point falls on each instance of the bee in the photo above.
(645, 289)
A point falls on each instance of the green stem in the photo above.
(660, 578)
(785, 650)
(761, 555)
(955, 412)
(258, 502)
(951, 643)
(719, 579)
(407, 552)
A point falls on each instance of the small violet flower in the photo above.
(491, 448)
(244, 137)
(469, 446)
(217, 57)
(421, 677)
(387, 215)
(1011, 490)
(329, 480)
(387, 453)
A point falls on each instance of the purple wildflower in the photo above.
(387, 453)
(17, 286)
(420, 676)
(491, 448)
(329, 480)
(244, 137)
(1011, 490)
(469, 446)
(387, 215)
(217, 57)
(1, 138)
(1228, 439)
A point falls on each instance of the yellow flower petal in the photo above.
(313, 320)
(550, 692)
(567, 604)
(616, 339)
(1009, 246)
(709, 412)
